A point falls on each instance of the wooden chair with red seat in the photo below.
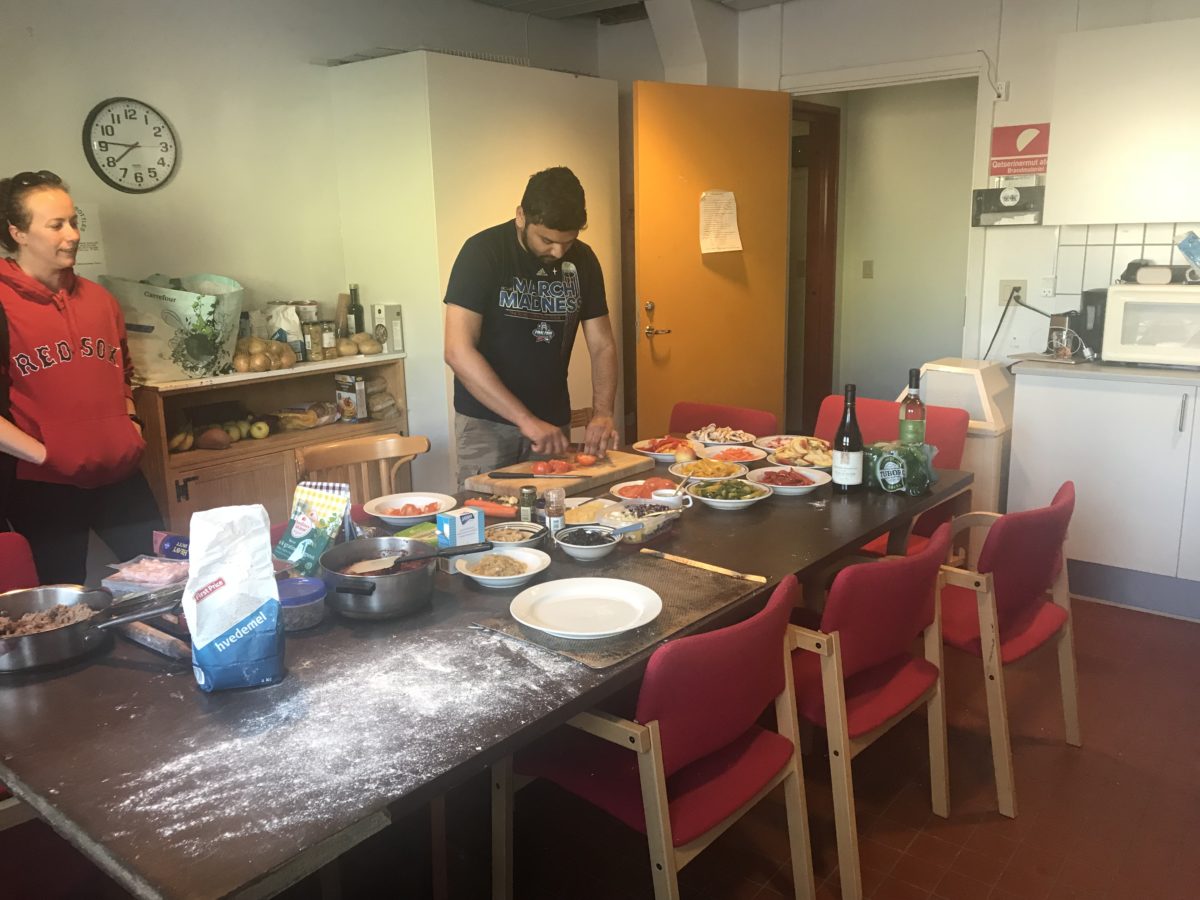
(17, 572)
(692, 760)
(856, 676)
(1000, 613)
(686, 416)
(879, 420)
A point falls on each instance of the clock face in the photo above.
(130, 145)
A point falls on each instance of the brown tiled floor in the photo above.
(1118, 819)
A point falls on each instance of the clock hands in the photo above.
(117, 144)
(132, 146)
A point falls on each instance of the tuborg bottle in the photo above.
(848, 450)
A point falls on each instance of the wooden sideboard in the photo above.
(251, 471)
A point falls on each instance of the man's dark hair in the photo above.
(554, 198)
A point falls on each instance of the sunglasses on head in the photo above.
(36, 179)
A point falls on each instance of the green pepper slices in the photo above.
(728, 490)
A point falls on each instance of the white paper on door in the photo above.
(718, 222)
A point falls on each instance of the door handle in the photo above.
(651, 331)
(1182, 412)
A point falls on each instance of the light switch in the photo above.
(868, 268)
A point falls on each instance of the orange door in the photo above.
(726, 312)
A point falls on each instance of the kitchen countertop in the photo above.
(1109, 372)
(178, 793)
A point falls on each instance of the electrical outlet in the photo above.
(1048, 286)
(1008, 285)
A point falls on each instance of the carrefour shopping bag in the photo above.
(179, 328)
(231, 601)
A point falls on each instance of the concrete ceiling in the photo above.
(563, 9)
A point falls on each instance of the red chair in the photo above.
(17, 572)
(17, 569)
(687, 417)
(856, 677)
(879, 420)
(1000, 612)
(692, 760)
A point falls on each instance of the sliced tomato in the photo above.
(659, 484)
(541, 467)
(584, 459)
(559, 466)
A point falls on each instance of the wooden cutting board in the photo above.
(620, 465)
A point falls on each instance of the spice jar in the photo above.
(526, 502)
(556, 509)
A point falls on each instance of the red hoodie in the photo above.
(71, 375)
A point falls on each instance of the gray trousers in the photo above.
(484, 445)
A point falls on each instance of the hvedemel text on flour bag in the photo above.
(231, 601)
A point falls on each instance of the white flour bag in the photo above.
(231, 601)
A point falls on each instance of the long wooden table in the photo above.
(177, 793)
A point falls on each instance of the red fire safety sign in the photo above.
(1020, 149)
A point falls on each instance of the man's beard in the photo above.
(544, 260)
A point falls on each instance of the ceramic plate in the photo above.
(586, 608)
(666, 457)
(816, 476)
(718, 503)
(745, 454)
(380, 505)
(535, 561)
(773, 442)
(737, 472)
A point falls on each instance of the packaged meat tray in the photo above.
(146, 573)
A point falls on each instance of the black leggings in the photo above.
(56, 519)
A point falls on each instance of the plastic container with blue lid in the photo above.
(303, 602)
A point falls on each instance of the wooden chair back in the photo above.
(368, 464)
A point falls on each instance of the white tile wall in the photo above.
(1092, 256)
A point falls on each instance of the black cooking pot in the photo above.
(401, 590)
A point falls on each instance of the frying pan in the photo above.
(28, 651)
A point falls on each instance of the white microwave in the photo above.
(1151, 324)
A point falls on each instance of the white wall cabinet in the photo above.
(1123, 136)
(1129, 445)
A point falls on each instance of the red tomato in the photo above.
(584, 459)
(659, 484)
(541, 468)
(559, 466)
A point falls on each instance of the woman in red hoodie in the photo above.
(68, 375)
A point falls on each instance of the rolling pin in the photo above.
(158, 641)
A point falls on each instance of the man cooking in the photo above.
(517, 294)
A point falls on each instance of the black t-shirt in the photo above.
(531, 311)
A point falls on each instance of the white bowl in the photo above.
(754, 454)
(417, 498)
(535, 562)
(738, 471)
(591, 551)
(534, 532)
(717, 503)
(817, 476)
(615, 490)
(666, 457)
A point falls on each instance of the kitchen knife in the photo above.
(528, 475)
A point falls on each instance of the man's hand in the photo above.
(547, 439)
(600, 436)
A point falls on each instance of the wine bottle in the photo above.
(848, 450)
(912, 411)
(355, 314)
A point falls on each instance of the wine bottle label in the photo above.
(847, 467)
(912, 431)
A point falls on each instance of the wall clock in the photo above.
(130, 145)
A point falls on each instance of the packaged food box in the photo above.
(351, 397)
(456, 528)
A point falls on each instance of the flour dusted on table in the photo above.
(231, 601)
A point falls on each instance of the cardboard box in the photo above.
(351, 397)
(456, 528)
